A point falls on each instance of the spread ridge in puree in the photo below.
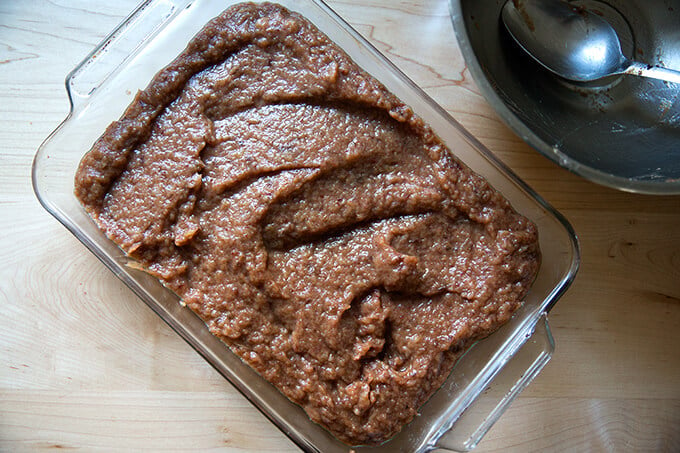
(317, 226)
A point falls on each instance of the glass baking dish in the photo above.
(485, 380)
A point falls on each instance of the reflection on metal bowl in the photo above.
(622, 131)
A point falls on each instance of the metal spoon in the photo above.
(572, 42)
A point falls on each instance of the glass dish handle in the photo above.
(120, 45)
(511, 379)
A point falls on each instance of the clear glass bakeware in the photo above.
(485, 380)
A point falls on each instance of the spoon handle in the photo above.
(655, 72)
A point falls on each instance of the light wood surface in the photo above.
(85, 365)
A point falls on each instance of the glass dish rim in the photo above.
(548, 302)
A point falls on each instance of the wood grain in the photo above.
(85, 365)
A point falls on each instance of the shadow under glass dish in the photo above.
(622, 131)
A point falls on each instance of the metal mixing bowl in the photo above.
(623, 131)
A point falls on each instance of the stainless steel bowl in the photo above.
(623, 131)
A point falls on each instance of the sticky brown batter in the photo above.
(320, 229)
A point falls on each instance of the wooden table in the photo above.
(84, 364)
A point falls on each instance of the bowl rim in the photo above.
(514, 122)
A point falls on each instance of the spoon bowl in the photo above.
(573, 42)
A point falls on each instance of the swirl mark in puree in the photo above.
(316, 225)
